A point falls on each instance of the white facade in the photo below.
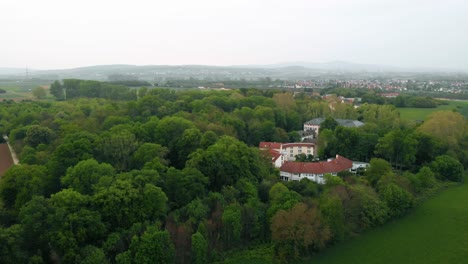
(290, 150)
(318, 178)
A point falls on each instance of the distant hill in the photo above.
(5, 71)
(287, 71)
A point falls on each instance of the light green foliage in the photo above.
(39, 92)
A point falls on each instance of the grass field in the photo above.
(436, 232)
(422, 113)
(20, 90)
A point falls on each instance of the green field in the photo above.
(19, 90)
(422, 113)
(436, 232)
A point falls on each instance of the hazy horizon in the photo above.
(54, 34)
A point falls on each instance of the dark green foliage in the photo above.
(328, 123)
(397, 199)
(21, 183)
(84, 175)
(56, 89)
(36, 135)
(153, 246)
(199, 249)
(227, 161)
(447, 168)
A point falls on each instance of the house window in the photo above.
(291, 155)
(300, 150)
(291, 151)
(308, 151)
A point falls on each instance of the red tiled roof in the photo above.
(274, 154)
(285, 145)
(273, 145)
(336, 165)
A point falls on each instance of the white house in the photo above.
(314, 171)
(281, 152)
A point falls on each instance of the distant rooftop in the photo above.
(341, 122)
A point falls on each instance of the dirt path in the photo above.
(12, 152)
(6, 160)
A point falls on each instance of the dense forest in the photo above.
(110, 174)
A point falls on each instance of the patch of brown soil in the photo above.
(5, 159)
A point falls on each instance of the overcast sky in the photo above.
(52, 34)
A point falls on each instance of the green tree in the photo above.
(298, 230)
(39, 92)
(123, 203)
(447, 168)
(36, 135)
(153, 246)
(227, 161)
(56, 90)
(397, 199)
(232, 224)
(399, 147)
(85, 174)
(117, 148)
(21, 182)
(199, 249)
(377, 169)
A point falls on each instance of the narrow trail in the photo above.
(12, 152)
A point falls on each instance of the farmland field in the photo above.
(436, 232)
(19, 90)
(423, 113)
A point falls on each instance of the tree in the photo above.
(117, 148)
(199, 249)
(232, 224)
(39, 92)
(153, 246)
(299, 229)
(447, 168)
(397, 199)
(123, 203)
(36, 135)
(21, 182)
(328, 123)
(399, 147)
(227, 161)
(377, 169)
(56, 90)
(446, 126)
(72, 225)
(85, 174)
